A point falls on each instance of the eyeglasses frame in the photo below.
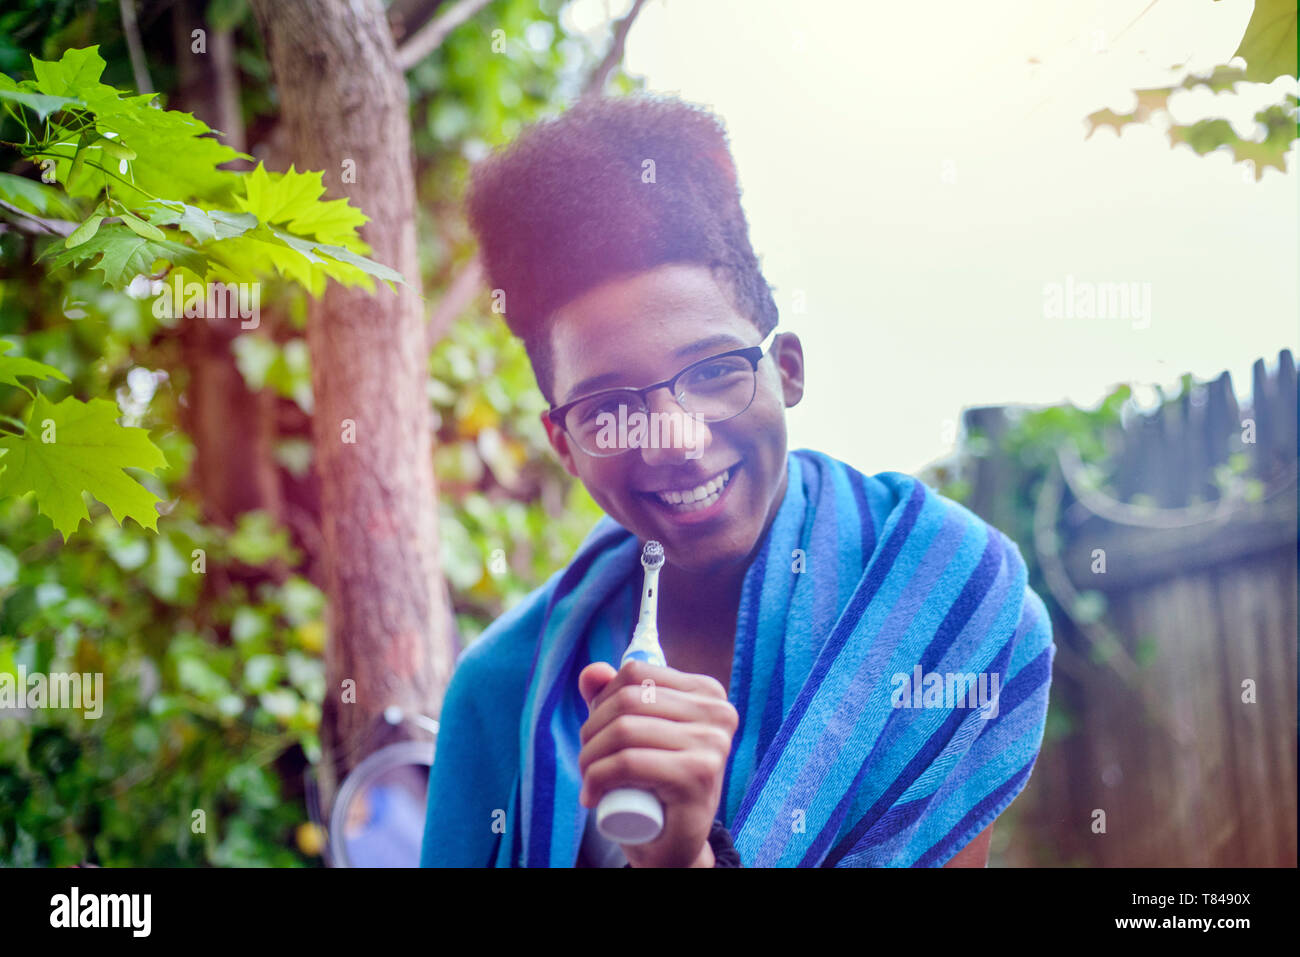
(754, 354)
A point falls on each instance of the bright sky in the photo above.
(910, 175)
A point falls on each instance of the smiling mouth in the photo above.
(694, 499)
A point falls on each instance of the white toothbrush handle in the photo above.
(634, 815)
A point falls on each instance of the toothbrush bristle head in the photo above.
(652, 556)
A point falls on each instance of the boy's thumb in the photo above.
(593, 678)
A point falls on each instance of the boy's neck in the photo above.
(696, 604)
(703, 594)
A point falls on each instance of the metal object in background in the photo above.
(378, 816)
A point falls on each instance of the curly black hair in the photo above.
(570, 204)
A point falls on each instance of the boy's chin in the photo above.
(697, 559)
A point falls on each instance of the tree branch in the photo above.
(131, 30)
(57, 227)
(406, 16)
(596, 82)
(462, 290)
(430, 36)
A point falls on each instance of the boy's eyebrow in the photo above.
(721, 341)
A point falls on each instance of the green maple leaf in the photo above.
(314, 238)
(294, 199)
(125, 254)
(266, 249)
(1203, 135)
(1269, 44)
(39, 103)
(361, 263)
(77, 71)
(176, 156)
(1219, 79)
(11, 367)
(204, 225)
(1109, 118)
(88, 453)
(259, 253)
(39, 198)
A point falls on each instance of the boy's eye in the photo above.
(718, 373)
(710, 371)
(589, 411)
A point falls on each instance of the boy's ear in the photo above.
(559, 440)
(788, 352)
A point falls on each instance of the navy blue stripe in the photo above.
(847, 624)
(996, 666)
(496, 850)
(1026, 682)
(946, 848)
(512, 822)
(775, 700)
(896, 820)
(972, 594)
(571, 578)
(857, 481)
(539, 838)
(1016, 690)
(544, 774)
(775, 704)
(747, 640)
(933, 746)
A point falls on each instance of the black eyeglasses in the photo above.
(709, 390)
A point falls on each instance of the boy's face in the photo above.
(644, 328)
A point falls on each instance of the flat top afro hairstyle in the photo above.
(565, 208)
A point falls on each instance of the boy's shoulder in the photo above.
(887, 493)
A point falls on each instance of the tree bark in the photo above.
(343, 98)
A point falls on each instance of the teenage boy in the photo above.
(857, 670)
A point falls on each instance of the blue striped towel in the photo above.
(873, 604)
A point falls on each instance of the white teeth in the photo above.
(702, 496)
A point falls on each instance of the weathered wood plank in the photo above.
(1240, 661)
(1139, 556)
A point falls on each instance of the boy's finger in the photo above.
(637, 731)
(639, 673)
(592, 679)
(656, 702)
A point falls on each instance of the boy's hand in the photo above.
(664, 731)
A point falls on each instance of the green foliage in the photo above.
(190, 721)
(1269, 49)
(36, 197)
(93, 139)
(510, 514)
(11, 367)
(1269, 45)
(73, 446)
(164, 167)
(210, 701)
(122, 253)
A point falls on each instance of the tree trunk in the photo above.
(343, 98)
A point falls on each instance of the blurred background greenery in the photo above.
(215, 702)
(218, 678)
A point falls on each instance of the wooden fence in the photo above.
(1172, 728)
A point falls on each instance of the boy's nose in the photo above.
(679, 435)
